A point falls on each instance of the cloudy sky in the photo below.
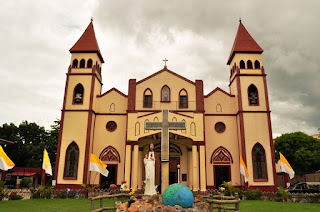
(135, 36)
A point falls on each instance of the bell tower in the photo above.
(248, 84)
(83, 84)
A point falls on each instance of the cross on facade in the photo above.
(164, 126)
(165, 62)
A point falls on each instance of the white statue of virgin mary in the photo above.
(149, 164)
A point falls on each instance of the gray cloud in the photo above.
(135, 36)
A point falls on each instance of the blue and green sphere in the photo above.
(178, 194)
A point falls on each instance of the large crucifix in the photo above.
(165, 126)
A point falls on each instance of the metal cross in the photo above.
(165, 62)
(164, 126)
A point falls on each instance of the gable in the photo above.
(112, 101)
(219, 101)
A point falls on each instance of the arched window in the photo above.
(184, 131)
(183, 99)
(242, 64)
(155, 119)
(78, 94)
(256, 64)
(137, 130)
(145, 130)
(165, 94)
(112, 107)
(193, 129)
(253, 95)
(249, 64)
(71, 162)
(110, 154)
(147, 98)
(82, 63)
(89, 64)
(218, 108)
(75, 63)
(259, 162)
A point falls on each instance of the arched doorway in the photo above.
(111, 157)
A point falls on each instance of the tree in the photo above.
(301, 150)
(30, 140)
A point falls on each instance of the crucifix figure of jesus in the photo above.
(165, 126)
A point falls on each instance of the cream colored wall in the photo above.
(103, 138)
(174, 83)
(228, 104)
(228, 139)
(74, 129)
(102, 104)
(256, 130)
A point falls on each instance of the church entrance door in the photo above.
(111, 179)
(221, 174)
(173, 170)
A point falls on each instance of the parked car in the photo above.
(305, 187)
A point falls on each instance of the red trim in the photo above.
(218, 89)
(214, 174)
(65, 163)
(198, 143)
(112, 89)
(148, 114)
(74, 90)
(199, 96)
(3, 175)
(227, 114)
(169, 95)
(266, 167)
(257, 95)
(88, 139)
(175, 112)
(187, 98)
(87, 74)
(270, 129)
(61, 126)
(219, 149)
(144, 95)
(132, 95)
(247, 75)
(111, 114)
(167, 70)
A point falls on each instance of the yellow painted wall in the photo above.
(102, 104)
(228, 139)
(258, 82)
(174, 83)
(228, 104)
(256, 130)
(74, 129)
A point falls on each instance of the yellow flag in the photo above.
(5, 162)
(243, 170)
(98, 166)
(285, 166)
(46, 165)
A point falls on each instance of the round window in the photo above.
(111, 126)
(220, 127)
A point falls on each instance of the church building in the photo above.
(220, 126)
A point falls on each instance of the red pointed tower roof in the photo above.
(87, 43)
(244, 43)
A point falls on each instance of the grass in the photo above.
(60, 205)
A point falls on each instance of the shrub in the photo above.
(14, 196)
(62, 194)
(3, 191)
(253, 194)
(313, 198)
(229, 188)
(25, 182)
(35, 193)
(284, 193)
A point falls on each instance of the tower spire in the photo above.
(87, 43)
(243, 43)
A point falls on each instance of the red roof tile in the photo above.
(87, 43)
(244, 43)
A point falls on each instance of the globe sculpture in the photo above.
(178, 194)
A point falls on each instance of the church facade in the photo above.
(220, 126)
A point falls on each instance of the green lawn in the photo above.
(60, 205)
